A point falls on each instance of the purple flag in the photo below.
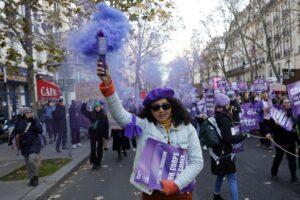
(161, 161)
(249, 117)
(294, 96)
(209, 100)
(280, 117)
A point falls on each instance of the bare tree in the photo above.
(218, 42)
(264, 26)
(148, 36)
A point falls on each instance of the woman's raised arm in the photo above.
(120, 115)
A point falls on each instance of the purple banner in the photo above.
(160, 161)
(249, 117)
(209, 101)
(294, 96)
(280, 118)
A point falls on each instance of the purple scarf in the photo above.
(131, 129)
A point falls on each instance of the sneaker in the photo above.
(64, 149)
(74, 146)
(134, 149)
(35, 181)
(217, 197)
(119, 159)
(79, 145)
(30, 182)
(94, 167)
(57, 150)
(204, 147)
(295, 180)
(274, 177)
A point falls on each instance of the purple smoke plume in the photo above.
(110, 21)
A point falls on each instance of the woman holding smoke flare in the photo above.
(165, 119)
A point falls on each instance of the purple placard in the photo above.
(209, 102)
(249, 117)
(238, 147)
(260, 85)
(280, 117)
(242, 86)
(201, 106)
(161, 161)
(294, 96)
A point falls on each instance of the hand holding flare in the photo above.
(103, 73)
(169, 187)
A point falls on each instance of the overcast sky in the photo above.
(191, 12)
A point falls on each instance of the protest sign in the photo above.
(294, 96)
(238, 147)
(160, 161)
(280, 117)
(209, 101)
(249, 117)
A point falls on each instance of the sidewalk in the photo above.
(9, 161)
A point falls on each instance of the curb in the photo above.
(46, 186)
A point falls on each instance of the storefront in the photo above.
(47, 90)
(13, 92)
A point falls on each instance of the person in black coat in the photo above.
(287, 140)
(222, 161)
(60, 124)
(74, 114)
(98, 130)
(28, 130)
(234, 108)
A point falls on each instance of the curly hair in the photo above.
(179, 113)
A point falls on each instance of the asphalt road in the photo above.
(111, 182)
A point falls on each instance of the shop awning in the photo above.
(47, 90)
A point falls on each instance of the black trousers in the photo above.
(264, 127)
(291, 159)
(133, 140)
(96, 141)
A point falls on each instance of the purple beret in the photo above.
(158, 93)
(221, 99)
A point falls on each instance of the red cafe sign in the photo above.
(47, 90)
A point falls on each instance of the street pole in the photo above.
(289, 68)
(65, 85)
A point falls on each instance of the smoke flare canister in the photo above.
(102, 49)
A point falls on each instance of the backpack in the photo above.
(210, 132)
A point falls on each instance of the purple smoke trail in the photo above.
(111, 22)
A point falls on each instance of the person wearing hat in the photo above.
(225, 165)
(163, 117)
(98, 131)
(60, 124)
(28, 130)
